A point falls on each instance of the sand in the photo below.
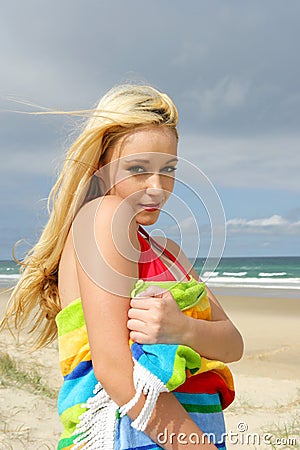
(266, 409)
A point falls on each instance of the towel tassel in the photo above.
(150, 385)
(97, 424)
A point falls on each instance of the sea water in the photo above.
(243, 275)
(282, 273)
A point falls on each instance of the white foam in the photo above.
(7, 280)
(235, 274)
(210, 274)
(275, 274)
(15, 276)
(267, 283)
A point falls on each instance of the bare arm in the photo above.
(216, 339)
(106, 313)
(160, 321)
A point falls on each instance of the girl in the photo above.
(117, 176)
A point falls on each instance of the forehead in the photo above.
(152, 139)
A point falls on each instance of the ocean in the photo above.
(243, 274)
(264, 272)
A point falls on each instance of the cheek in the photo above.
(128, 187)
(168, 185)
(122, 189)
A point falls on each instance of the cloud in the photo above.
(40, 163)
(226, 96)
(274, 220)
(186, 225)
(274, 224)
(263, 161)
(239, 106)
(213, 58)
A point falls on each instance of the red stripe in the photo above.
(208, 383)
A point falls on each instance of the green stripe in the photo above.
(202, 408)
(70, 417)
(186, 294)
(185, 357)
(70, 318)
(66, 442)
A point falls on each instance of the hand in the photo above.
(155, 318)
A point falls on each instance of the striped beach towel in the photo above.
(92, 420)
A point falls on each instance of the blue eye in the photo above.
(136, 169)
(141, 169)
(169, 169)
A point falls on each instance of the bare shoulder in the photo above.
(105, 205)
(110, 213)
(105, 233)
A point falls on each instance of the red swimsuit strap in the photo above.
(164, 251)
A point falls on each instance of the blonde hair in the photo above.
(122, 108)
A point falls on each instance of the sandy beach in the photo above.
(264, 415)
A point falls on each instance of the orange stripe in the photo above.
(69, 364)
(197, 313)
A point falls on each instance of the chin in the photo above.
(147, 218)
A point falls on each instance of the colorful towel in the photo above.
(91, 419)
(164, 367)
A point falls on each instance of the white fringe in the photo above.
(97, 423)
(149, 384)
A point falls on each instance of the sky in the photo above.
(233, 72)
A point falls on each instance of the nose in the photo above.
(154, 185)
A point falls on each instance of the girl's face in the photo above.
(142, 165)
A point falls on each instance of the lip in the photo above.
(150, 207)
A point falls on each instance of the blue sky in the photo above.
(232, 69)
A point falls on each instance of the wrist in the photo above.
(186, 330)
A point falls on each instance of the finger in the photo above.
(138, 314)
(135, 325)
(139, 337)
(141, 303)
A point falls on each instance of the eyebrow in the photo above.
(147, 161)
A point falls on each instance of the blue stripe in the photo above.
(76, 391)
(80, 371)
(198, 399)
(155, 447)
(211, 423)
(137, 350)
(144, 447)
(127, 438)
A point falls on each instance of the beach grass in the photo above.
(12, 433)
(12, 373)
(266, 380)
(285, 434)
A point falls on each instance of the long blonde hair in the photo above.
(121, 109)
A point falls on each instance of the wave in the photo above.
(7, 281)
(231, 279)
(267, 283)
(235, 274)
(275, 274)
(9, 277)
(210, 274)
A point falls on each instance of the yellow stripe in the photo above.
(218, 367)
(72, 342)
(68, 365)
(73, 348)
(198, 312)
